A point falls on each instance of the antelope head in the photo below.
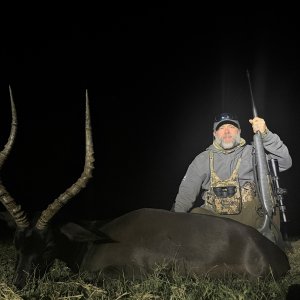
(34, 240)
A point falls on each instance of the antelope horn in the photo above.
(15, 210)
(63, 199)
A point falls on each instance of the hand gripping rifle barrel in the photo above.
(262, 177)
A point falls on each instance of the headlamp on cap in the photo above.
(225, 118)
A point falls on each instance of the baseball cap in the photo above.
(226, 118)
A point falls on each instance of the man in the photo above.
(223, 174)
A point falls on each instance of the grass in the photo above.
(61, 284)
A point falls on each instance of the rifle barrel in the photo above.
(252, 99)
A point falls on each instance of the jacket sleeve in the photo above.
(277, 149)
(190, 185)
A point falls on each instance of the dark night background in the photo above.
(156, 75)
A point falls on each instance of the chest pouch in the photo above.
(224, 196)
(226, 200)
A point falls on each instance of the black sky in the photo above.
(156, 75)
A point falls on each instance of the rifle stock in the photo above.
(264, 186)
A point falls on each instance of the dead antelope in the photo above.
(134, 243)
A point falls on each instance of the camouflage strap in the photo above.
(214, 175)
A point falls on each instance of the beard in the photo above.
(235, 142)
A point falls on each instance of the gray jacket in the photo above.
(197, 177)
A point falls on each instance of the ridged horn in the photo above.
(15, 210)
(63, 199)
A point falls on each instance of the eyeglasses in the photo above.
(225, 116)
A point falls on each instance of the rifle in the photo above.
(263, 179)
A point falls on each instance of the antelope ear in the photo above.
(8, 219)
(77, 233)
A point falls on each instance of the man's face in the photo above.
(227, 136)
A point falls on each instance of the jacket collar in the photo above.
(218, 148)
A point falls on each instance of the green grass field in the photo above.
(60, 283)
